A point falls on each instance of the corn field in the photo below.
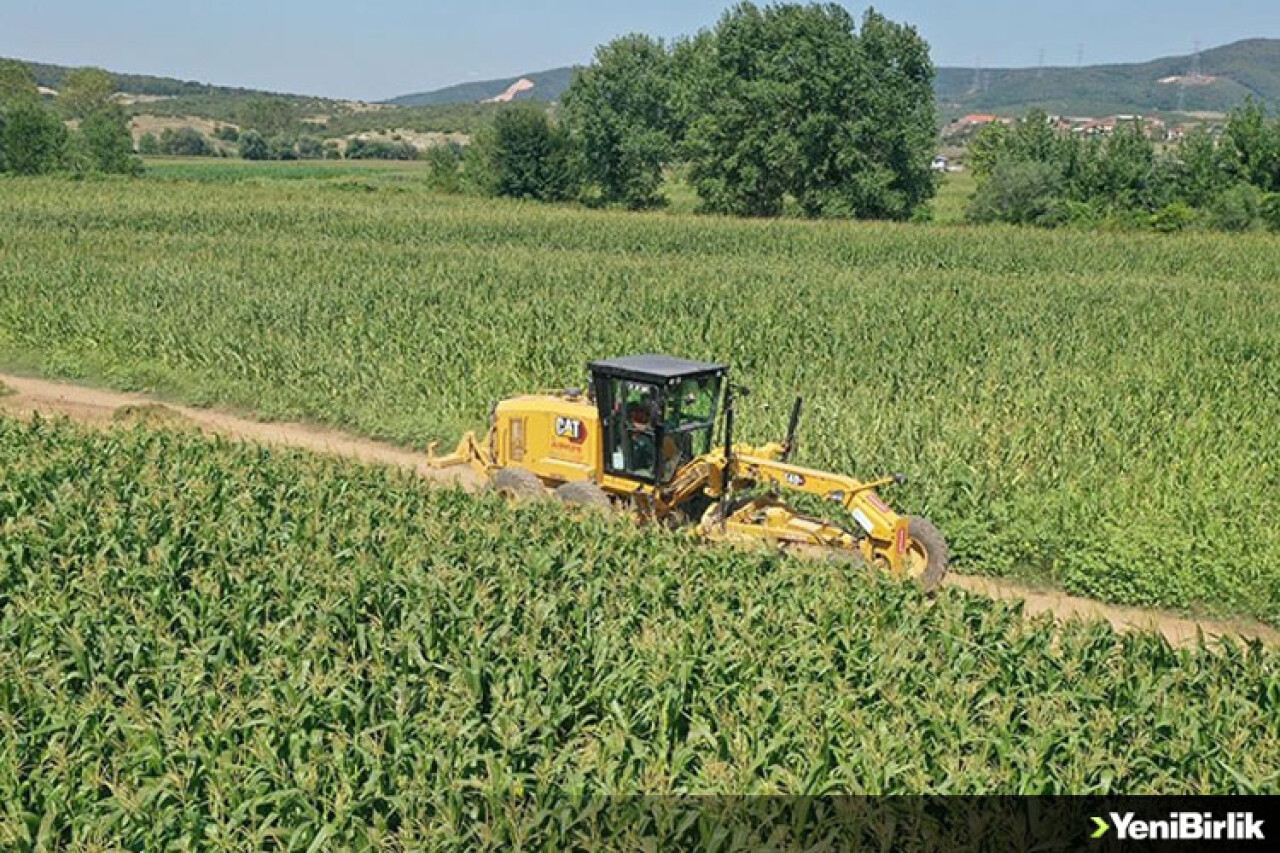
(215, 646)
(1097, 411)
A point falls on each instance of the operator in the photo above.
(640, 433)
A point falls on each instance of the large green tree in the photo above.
(86, 91)
(798, 101)
(617, 110)
(1254, 146)
(34, 139)
(527, 155)
(107, 142)
(253, 146)
(17, 83)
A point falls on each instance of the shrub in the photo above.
(377, 149)
(280, 148)
(184, 142)
(444, 162)
(253, 146)
(34, 139)
(1271, 211)
(1238, 208)
(1173, 217)
(1022, 192)
(310, 148)
(108, 144)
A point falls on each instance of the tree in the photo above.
(281, 148)
(1020, 191)
(380, 149)
(1200, 170)
(17, 83)
(527, 156)
(108, 143)
(443, 162)
(310, 148)
(987, 148)
(795, 101)
(184, 142)
(85, 91)
(1238, 208)
(617, 111)
(253, 146)
(148, 144)
(1126, 173)
(1254, 146)
(34, 139)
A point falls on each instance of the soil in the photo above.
(102, 408)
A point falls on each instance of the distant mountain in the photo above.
(1226, 76)
(1222, 78)
(547, 86)
(51, 76)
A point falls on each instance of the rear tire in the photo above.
(517, 484)
(584, 493)
(926, 538)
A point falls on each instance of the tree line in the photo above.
(788, 107)
(35, 139)
(1228, 179)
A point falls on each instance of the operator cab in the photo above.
(656, 413)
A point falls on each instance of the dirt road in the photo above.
(104, 408)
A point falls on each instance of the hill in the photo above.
(51, 76)
(1227, 76)
(547, 86)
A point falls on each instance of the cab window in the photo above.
(633, 427)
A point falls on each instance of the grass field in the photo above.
(215, 646)
(1096, 411)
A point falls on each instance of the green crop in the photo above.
(211, 645)
(1095, 410)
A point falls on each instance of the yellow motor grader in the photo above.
(641, 438)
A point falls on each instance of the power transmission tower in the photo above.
(1193, 76)
(977, 84)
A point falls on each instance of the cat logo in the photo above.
(572, 429)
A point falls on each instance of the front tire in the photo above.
(586, 494)
(517, 484)
(928, 557)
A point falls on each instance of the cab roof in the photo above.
(655, 366)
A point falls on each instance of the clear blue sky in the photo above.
(345, 48)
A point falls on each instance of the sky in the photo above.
(376, 50)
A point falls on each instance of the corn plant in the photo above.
(216, 646)
(1092, 410)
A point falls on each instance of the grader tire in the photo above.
(517, 484)
(585, 494)
(927, 538)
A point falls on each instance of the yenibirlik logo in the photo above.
(1183, 826)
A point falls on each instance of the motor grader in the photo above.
(642, 438)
